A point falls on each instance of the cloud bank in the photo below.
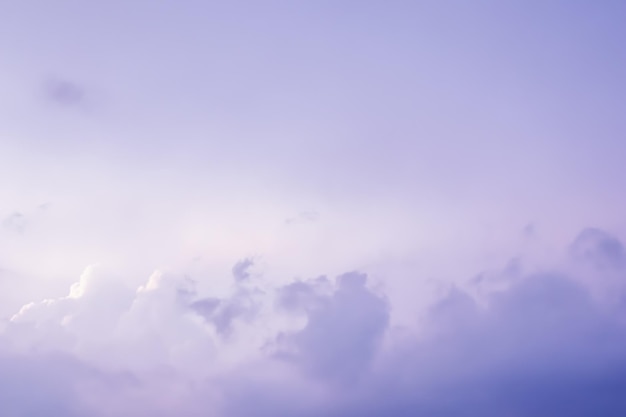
(539, 343)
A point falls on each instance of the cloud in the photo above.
(35, 386)
(57, 384)
(64, 92)
(243, 305)
(240, 270)
(110, 325)
(599, 248)
(303, 217)
(544, 345)
(20, 221)
(222, 313)
(538, 343)
(343, 330)
(15, 223)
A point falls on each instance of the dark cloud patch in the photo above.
(302, 296)
(186, 290)
(529, 231)
(599, 249)
(64, 92)
(15, 222)
(20, 221)
(486, 280)
(223, 313)
(241, 307)
(206, 307)
(240, 270)
(303, 217)
(343, 332)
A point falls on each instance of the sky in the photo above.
(304, 208)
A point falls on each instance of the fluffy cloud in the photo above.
(102, 320)
(343, 330)
(535, 344)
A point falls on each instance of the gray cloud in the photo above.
(64, 92)
(41, 385)
(543, 346)
(242, 305)
(240, 270)
(19, 221)
(15, 222)
(222, 313)
(303, 217)
(302, 296)
(540, 346)
(599, 248)
(343, 332)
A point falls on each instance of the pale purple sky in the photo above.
(187, 170)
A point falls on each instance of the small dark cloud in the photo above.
(16, 223)
(64, 92)
(512, 269)
(186, 290)
(301, 296)
(205, 307)
(530, 230)
(240, 270)
(222, 313)
(599, 249)
(304, 217)
(20, 221)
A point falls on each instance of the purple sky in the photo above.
(305, 208)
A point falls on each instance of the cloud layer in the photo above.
(541, 343)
